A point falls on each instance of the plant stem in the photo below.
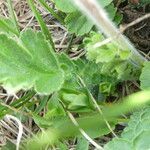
(92, 9)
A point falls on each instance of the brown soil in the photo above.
(139, 34)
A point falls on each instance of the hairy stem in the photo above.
(92, 9)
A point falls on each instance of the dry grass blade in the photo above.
(135, 22)
(20, 127)
(99, 109)
(122, 29)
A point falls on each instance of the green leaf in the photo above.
(78, 23)
(63, 128)
(54, 108)
(125, 54)
(42, 122)
(136, 135)
(105, 53)
(42, 104)
(118, 17)
(40, 20)
(90, 73)
(68, 7)
(13, 16)
(62, 146)
(75, 21)
(112, 10)
(93, 124)
(75, 101)
(114, 60)
(66, 64)
(65, 6)
(104, 3)
(7, 26)
(82, 144)
(145, 76)
(51, 11)
(144, 2)
(29, 63)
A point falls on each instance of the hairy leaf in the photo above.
(145, 76)
(7, 26)
(114, 60)
(136, 135)
(29, 63)
(65, 6)
(78, 23)
(104, 53)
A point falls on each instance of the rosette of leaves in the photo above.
(100, 85)
(114, 61)
(76, 22)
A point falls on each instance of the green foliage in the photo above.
(7, 26)
(92, 123)
(24, 100)
(13, 16)
(63, 128)
(75, 100)
(67, 6)
(145, 2)
(9, 146)
(43, 26)
(113, 60)
(62, 85)
(51, 11)
(29, 62)
(82, 143)
(76, 22)
(145, 76)
(135, 135)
